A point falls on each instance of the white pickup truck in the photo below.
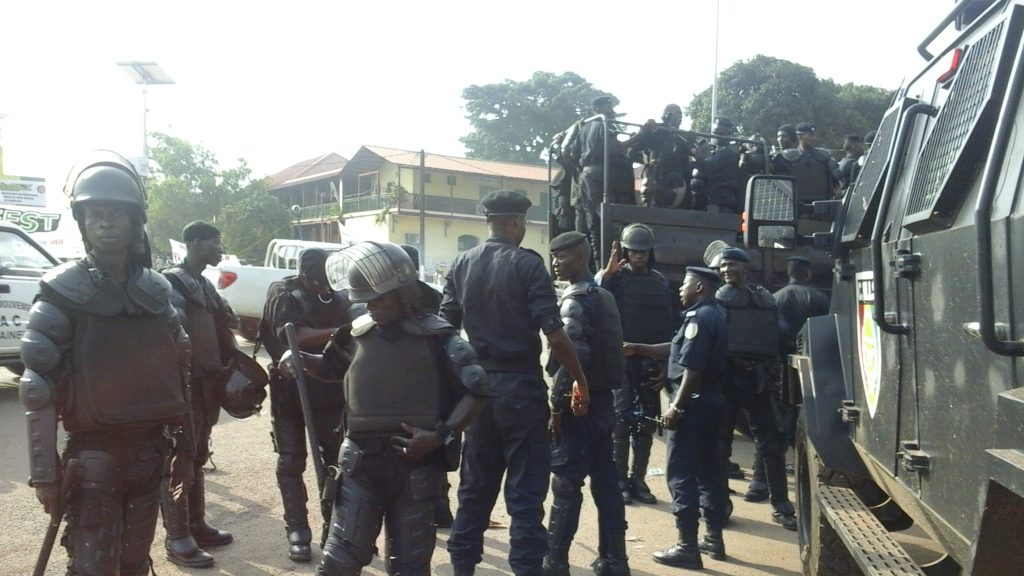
(245, 287)
(22, 263)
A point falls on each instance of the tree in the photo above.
(515, 121)
(763, 93)
(190, 185)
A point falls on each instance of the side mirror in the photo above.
(771, 213)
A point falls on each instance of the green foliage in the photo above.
(188, 185)
(514, 121)
(763, 93)
(389, 198)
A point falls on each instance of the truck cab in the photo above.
(912, 395)
(22, 263)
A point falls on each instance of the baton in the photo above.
(307, 407)
(66, 484)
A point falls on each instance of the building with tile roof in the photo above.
(311, 189)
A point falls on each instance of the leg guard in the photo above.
(410, 523)
(563, 523)
(355, 525)
(620, 447)
(140, 514)
(293, 489)
(175, 514)
(639, 489)
(93, 536)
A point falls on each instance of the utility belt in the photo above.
(117, 438)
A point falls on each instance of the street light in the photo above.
(145, 74)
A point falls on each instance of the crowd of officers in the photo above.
(683, 169)
(369, 363)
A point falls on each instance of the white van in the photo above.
(22, 263)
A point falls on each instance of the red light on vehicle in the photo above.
(226, 279)
(953, 65)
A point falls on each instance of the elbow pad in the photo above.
(463, 364)
(49, 330)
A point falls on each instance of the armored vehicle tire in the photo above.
(822, 553)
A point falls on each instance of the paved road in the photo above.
(243, 498)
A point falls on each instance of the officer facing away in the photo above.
(104, 353)
(644, 300)
(717, 179)
(754, 328)
(412, 387)
(696, 372)
(503, 296)
(582, 444)
(205, 317)
(665, 154)
(317, 311)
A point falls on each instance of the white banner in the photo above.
(178, 251)
(23, 191)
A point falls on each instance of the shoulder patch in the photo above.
(691, 330)
(362, 325)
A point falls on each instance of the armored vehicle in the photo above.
(912, 389)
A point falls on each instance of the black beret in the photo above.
(312, 263)
(853, 138)
(724, 122)
(705, 274)
(505, 203)
(799, 260)
(602, 101)
(805, 128)
(566, 240)
(735, 254)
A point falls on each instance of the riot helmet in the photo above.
(370, 269)
(637, 237)
(105, 176)
(242, 391)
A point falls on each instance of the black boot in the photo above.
(685, 553)
(627, 492)
(641, 456)
(613, 560)
(181, 547)
(206, 536)
(565, 519)
(296, 517)
(299, 538)
(713, 545)
(784, 514)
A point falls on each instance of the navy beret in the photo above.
(799, 260)
(505, 203)
(601, 101)
(735, 254)
(705, 274)
(566, 240)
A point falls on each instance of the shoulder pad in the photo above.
(732, 297)
(762, 298)
(362, 325)
(571, 308)
(150, 290)
(192, 287)
(791, 154)
(578, 289)
(821, 154)
(427, 325)
(73, 280)
(458, 351)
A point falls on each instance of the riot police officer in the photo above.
(583, 443)
(696, 372)
(665, 154)
(503, 296)
(787, 153)
(644, 300)
(717, 180)
(754, 328)
(104, 353)
(850, 165)
(317, 311)
(817, 174)
(411, 388)
(205, 317)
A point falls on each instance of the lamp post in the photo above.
(145, 74)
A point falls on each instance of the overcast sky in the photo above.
(286, 81)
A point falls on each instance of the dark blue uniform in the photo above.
(503, 296)
(694, 470)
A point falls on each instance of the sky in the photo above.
(277, 83)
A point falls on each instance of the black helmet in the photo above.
(370, 269)
(105, 176)
(637, 237)
(242, 391)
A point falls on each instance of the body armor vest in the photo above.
(390, 383)
(752, 320)
(811, 174)
(645, 306)
(597, 336)
(115, 378)
(200, 307)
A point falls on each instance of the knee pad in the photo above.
(291, 464)
(411, 538)
(355, 524)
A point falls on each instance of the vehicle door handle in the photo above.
(973, 329)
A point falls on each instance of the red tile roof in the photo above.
(462, 165)
(327, 166)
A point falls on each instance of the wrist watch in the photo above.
(445, 435)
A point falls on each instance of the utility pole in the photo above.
(423, 215)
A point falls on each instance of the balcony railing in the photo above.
(410, 204)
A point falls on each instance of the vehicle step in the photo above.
(871, 545)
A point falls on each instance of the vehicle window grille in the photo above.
(773, 200)
(862, 202)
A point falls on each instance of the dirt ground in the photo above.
(243, 498)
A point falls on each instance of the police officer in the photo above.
(754, 329)
(665, 154)
(590, 149)
(644, 298)
(105, 354)
(717, 180)
(697, 372)
(205, 317)
(817, 174)
(412, 387)
(503, 297)
(583, 443)
(849, 166)
(317, 311)
(787, 152)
